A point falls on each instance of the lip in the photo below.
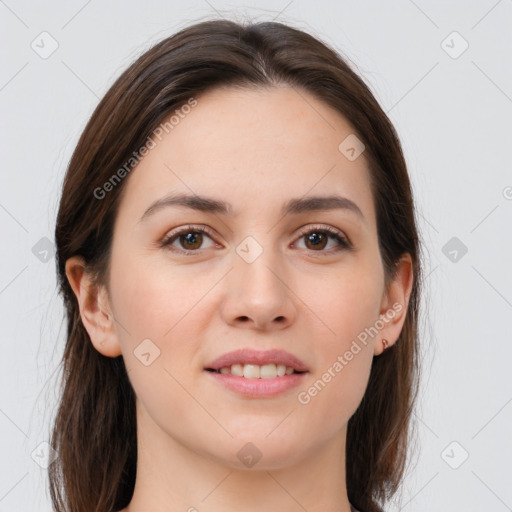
(257, 388)
(259, 357)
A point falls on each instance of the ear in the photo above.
(95, 309)
(394, 304)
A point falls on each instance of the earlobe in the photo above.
(394, 306)
(95, 310)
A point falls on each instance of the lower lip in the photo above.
(258, 388)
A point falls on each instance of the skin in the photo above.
(255, 149)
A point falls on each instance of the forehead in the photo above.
(251, 148)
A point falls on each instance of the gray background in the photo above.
(452, 110)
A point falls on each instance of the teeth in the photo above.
(238, 370)
(254, 371)
(281, 370)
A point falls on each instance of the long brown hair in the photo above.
(94, 431)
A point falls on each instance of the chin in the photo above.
(256, 452)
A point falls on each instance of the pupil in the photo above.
(191, 238)
(316, 239)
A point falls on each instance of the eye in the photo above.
(190, 239)
(317, 237)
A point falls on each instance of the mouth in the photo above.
(254, 371)
(254, 364)
(254, 382)
(257, 374)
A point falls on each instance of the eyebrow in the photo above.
(292, 207)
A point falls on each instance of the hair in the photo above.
(94, 430)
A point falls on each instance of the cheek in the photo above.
(349, 304)
(155, 300)
(349, 307)
(333, 395)
(160, 321)
(161, 311)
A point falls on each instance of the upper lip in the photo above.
(259, 357)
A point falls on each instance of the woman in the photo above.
(240, 263)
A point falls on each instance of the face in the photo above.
(307, 281)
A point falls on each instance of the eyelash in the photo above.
(343, 242)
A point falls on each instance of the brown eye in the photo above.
(317, 240)
(190, 240)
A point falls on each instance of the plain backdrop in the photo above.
(441, 70)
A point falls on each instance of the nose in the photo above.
(258, 295)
